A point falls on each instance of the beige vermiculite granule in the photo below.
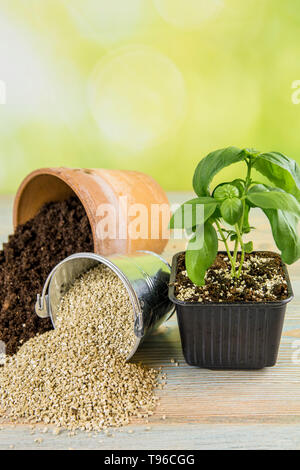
(76, 375)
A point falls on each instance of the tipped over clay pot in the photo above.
(97, 188)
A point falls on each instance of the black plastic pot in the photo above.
(230, 336)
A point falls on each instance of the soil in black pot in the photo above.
(57, 231)
(262, 280)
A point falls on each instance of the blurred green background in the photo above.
(150, 85)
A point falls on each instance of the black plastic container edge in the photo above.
(230, 335)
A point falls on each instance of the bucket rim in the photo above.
(138, 316)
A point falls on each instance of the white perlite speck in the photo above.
(76, 375)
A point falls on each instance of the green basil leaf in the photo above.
(178, 220)
(273, 198)
(216, 215)
(284, 228)
(225, 191)
(248, 247)
(201, 253)
(211, 165)
(239, 184)
(232, 210)
(236, 183)
(282, 171)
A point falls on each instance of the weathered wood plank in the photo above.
(163, 437)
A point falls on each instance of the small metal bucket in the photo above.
(144, 274)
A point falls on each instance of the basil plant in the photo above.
(227, 207)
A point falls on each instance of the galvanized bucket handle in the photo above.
(42, 308)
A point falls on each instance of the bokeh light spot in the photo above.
(188, 14)
(106, 21)
(137, 96)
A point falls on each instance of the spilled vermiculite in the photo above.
(77, 376)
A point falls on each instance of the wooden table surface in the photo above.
(205, 409)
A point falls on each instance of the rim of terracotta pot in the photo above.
(67, 189)
(57, 184)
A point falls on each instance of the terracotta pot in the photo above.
(94, 188)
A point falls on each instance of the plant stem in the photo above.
(239, 229)
(240, 241)
(248, 177)
(224, 241)
(241, 261)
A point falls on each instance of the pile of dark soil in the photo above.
(57, 231)
(262, 280)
